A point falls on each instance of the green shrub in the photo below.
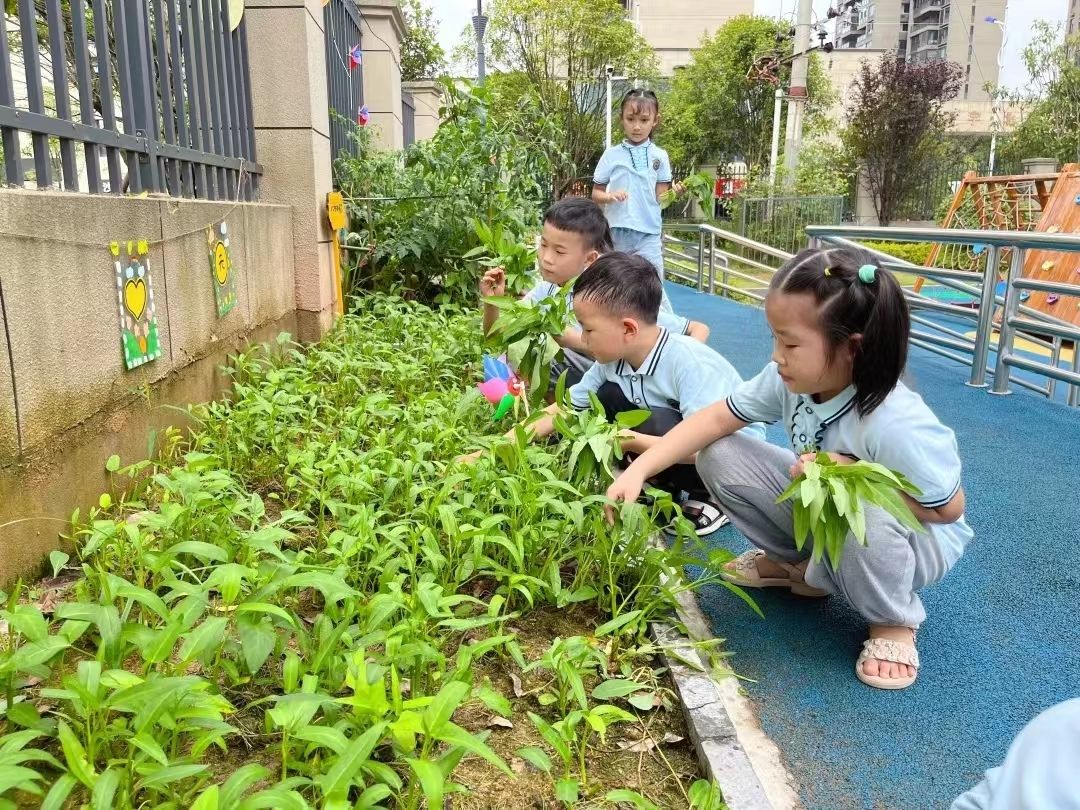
(914, 252)
(413, 214)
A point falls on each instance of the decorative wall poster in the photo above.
(135, 293)
(221, 269)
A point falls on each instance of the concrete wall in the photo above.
(382, 32)
(673, 29)
(66, 402)
(427, 97)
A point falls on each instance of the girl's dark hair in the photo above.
(622, 284)
(581, 215)
(646, 98)
(851, 302)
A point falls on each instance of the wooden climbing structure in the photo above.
(1049, 203)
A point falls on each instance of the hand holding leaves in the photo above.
(829, 497)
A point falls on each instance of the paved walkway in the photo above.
(1002, 641)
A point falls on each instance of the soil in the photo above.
(653, 756)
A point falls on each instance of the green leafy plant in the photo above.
(307, 581)
(502, 245)
(526, 331)
(828, 502)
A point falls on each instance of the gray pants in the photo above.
(880, 580)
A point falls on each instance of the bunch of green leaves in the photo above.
(592, 442)
(829, 502)
(699, 186)
(526, 331)
(502, 246)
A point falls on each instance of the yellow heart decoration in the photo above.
(221, 263)
(135, 297)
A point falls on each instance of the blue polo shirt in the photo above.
(901, 433)
(635, 170)
(679, 373)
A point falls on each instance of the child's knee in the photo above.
(724, 455)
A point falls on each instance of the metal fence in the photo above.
(408, 119)
(781, 221)
(344, 73)
(162, 90)
(957, 154)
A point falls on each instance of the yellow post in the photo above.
(335, 212)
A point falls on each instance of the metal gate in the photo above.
(344, 73)
(408, 119)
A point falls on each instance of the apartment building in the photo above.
(674, 27)
(925, 30)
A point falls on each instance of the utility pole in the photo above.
(480, 22)
(797, 91)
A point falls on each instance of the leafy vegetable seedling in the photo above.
(829, 502)
(526, 331)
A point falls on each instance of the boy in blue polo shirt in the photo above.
(641, 365)
(575, 234)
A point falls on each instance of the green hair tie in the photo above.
(867, 273)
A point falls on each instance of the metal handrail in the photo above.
(1045, 331)
(1038, 240)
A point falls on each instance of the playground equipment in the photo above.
(1046, 203)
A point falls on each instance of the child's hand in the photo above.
(619, 196)
(470, 458)
(493, 284)
(798, 469)
(625, 489)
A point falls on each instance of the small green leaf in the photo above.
(431, 779)
(113, 463)
(536, 757)
(567, 790)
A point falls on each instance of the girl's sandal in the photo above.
(743, 571)
(887, 649)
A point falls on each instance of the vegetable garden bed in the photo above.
(309, 605)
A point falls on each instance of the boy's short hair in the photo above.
(622, 284)
(583, 216)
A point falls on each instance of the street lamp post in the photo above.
(480, 22)
(609, 70)
(995, 122)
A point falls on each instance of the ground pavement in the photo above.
(1002, 641)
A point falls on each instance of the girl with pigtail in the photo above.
(840, 338)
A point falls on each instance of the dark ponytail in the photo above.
(855, 296)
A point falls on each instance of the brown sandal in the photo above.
(743, 571)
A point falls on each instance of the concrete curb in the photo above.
(716, 742)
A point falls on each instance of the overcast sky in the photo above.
(453, 15)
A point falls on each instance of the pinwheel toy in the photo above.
(501, 387)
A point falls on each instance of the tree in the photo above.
(895, 120)
(721, 105)
(1050, 104)
(421, 55)
(560, 48)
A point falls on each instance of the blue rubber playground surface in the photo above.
(1002, 641)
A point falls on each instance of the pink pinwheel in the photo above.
(501, 387)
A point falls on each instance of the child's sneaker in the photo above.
(705, 515)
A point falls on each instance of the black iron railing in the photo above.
(344, 73)
(163, 95)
